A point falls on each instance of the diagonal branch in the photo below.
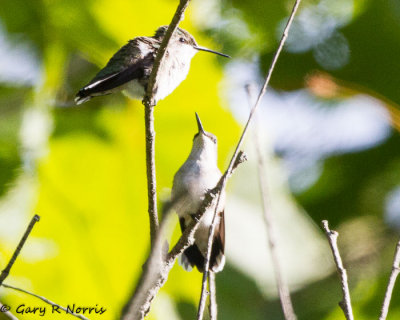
(154, 275)
(4, 274)
(228, 172)
(154, 283)
(158, 265)
(283, 289)
(345, 304)
(46, 301)
(392, 279)
(149, 104)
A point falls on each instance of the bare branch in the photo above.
(392, 281)
(151, 171)
(149, 104)
(154, 275)
(345, 304)
(158, 266)
(203, 297)
(265, 86)
(204, 292)
(213, 297)
(283, 289)
(46, 301)
(228, 172)
(131, 309)
(4, 274)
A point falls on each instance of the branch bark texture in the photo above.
(151, 171)
(392, 281)
(213, 297)
(345, 304)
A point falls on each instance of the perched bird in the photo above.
(129, 69)
(195, 177)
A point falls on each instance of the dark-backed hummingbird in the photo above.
(195, 177)
(129, 69)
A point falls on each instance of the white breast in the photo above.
(175, 69)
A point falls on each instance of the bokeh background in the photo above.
(328, 126)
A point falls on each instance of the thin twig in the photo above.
(283, 289)
(4, 274)
(46, 301)
(392, 280)
(154, 275)
(151, 171)
(129, 311)
(149, 104)
(228, 172)
(203, 297)
(4, 309)
(213, 297)
(265, 86)
(345, 304)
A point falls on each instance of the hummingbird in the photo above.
(130, 67)
(196, 176)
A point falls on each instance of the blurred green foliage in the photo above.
(84, 167)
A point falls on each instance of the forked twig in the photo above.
(345, 304)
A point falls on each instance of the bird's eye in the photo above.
(182, 40)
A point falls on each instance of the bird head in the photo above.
(204, 143)
(184, 41)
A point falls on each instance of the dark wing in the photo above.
(191, 255)
(127, 64)
(115, 80)
(217, 259)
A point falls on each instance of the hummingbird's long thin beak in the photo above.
(212, 51)
(199, 125)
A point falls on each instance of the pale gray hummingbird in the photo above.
(195, 177)
(129, 69)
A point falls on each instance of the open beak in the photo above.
(212, 51)
(199, 125)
